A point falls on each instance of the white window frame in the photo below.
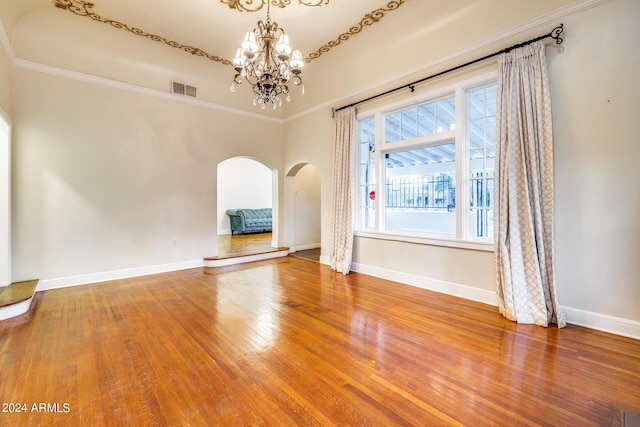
(459, 136)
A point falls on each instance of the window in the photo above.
(482, 152)
(367, 177)
(428, 155)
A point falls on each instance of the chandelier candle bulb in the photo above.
(249, 44)
(239, 60)
(283, 47)
(268, 63)
(296, 60)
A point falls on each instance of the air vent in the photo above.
(184, 89)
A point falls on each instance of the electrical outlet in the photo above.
(174, 243)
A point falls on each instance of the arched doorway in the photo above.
(244, 183)
(304, 211)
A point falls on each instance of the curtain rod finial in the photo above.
(556, 34)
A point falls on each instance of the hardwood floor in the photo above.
(289, 342)
(309, 254)
(244, 244)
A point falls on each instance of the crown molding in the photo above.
(6, 45)
(546, 19)
(101, 81)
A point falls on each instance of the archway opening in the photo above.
(244, 184)
(304, 217)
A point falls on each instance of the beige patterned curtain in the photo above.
(343, 167)
(524, 190)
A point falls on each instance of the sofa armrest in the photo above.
(234, 212)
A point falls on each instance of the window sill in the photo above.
(451, 243)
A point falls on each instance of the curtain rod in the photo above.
(554, 34)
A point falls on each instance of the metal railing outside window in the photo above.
(421, 193)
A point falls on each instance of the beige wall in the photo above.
(308, 139)
(5, 170)
(596, 94)
(307, 209)
(106, 179)
(5, 81)
(596, 99)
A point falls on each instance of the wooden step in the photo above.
(16, 298)
(232, 259)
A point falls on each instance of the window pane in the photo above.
(364, 132)
(482, 141)
(476, 105)
(409, 128)
(392, 127)
(366, 173)
(427, 119)
(477, 134)
(446, 115)
(481, 223)
(490, 105)
(420, 190)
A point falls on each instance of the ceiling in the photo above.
(152, 43)
(216, 27)
(188, 41)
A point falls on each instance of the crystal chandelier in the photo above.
(267, 62)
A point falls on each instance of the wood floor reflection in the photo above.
(244, 244)
(290, 342)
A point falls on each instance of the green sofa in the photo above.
(249, 220)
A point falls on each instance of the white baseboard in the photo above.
(324, 259)
(455, 289)
(224, 232)
(305, 247)
(602, 322)
(85, 279)
(588, 319)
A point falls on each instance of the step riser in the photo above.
(16, 298)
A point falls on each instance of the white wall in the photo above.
(105, 179)
(242, 183)
(307, 208)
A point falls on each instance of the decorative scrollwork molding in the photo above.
(84, 8)
(255, 6)
(368, 20)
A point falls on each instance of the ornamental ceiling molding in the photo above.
(250, 6)
(368, 20)
(85, 9)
